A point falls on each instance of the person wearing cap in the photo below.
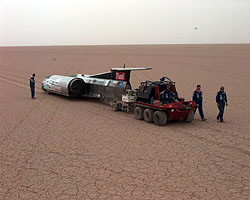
(221, 100)
(198, 98)
(32, 86)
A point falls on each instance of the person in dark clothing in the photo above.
(168, 96)
(221, 100)
(32, 86)
(198, 98)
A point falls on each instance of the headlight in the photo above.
(172, 110)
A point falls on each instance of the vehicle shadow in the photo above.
(93, 100)
(98, 101)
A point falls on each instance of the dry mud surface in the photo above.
(60, 148)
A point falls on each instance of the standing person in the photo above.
(32, 86)
(198, 98)
(221, 100)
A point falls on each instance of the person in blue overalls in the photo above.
(221, 100)
(198, 98)
(32, 86)
(168, 96)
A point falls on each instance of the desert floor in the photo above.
(55, 147)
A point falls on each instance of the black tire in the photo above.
(148, 115)
(160, 118)
(116, 107)
(189, 117)
(138, 113)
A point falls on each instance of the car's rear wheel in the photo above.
(189, 117)
(116, 107)
(138, 112)
(160, 118)
(148, 115)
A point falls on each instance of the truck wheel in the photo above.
(189, 117)
(138, 112)
(160, 118)
(148, 115)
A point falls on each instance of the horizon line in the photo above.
(139, 44)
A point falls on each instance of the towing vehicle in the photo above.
(150, 107)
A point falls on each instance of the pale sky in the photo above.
(86, 22)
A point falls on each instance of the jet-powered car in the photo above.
(108, 86)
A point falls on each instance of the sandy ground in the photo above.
(60, 148)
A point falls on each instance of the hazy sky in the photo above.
(79, 22)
